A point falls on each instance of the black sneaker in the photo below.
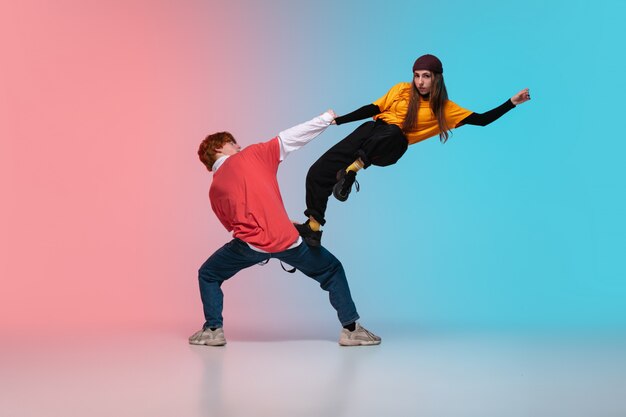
(311, 237)
(342, 189)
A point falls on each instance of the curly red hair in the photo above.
(208, 148)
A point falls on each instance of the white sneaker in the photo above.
(359, 337)
(208, 337)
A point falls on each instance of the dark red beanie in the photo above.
(428, 62)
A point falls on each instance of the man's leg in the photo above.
(321, 265)
(223, 264)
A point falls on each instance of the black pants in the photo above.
(376, 143)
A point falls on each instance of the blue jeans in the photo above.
(317, 263)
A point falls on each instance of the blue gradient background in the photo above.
(517, 225)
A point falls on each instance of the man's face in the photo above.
(229, 148)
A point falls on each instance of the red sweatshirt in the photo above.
(246, 199)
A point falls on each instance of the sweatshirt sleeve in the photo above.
(296, 137)
(483, 119)
(364, 112)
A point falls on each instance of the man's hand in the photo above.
(332, 113)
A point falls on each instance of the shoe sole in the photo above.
(338, 196)
(337, 187)
(360, 343)
(193, 342)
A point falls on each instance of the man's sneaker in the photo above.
(311, 237)
(359, 337)
(208, 337)
(342, 188)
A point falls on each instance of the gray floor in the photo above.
(411, 374)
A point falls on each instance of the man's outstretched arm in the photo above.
(296, 137)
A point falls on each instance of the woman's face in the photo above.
(423, 79)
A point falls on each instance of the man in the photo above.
(246, 198)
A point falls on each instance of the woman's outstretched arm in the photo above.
(483, 119)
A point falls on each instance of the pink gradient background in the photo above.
(105, 215)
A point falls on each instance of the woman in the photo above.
(407, 114)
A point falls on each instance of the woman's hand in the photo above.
(521, 97)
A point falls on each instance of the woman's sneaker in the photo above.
(359, 337)
(208, 337)
(342, 188)
(311, 237)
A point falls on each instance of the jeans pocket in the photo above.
(238, 246)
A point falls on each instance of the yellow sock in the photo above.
(314, 224)
(356, 165)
